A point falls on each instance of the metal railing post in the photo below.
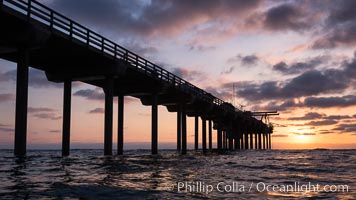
(29, 9)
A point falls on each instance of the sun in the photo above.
(302, 138)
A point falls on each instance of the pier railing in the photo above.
(84, 36)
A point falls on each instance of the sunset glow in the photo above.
(296, 57)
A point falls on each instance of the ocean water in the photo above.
(250, 174)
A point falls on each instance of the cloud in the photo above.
(188, 74)
(97, 111)
(308, 116)
(7, 97)
(90, 94)
(346, 128)
(4, 77)
(246, 61)
(326, 122)
(37, 79)
(201, 48)
(309, 83)
(337, 117)
(43, 113)
(286, 17)
(151, 18)
(315, 115)
(6, 128)
(39, 109)
(327, 102)
(279, 135)
(304, 133)
(299, 67)
(51, 116)
(325, 132)
(55, 131)
(340, 28)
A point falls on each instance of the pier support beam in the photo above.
(259, 141)
(246, 140)
(251, 140)
(269, 140)
(67, 94)
(264, 141)
(242, 143)
(120, 125)
(256, 143)
(179, 130)
(219, 138)
(224, 139)
(266, 135)
(196, 132)
(154, 126)
(184, 130)
(204, 134)
(231, 141)
(21, 103)
(237, 142)
(109, 92)
(210, 135)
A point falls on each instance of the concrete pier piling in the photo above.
(179, 130)
(154, 137)
(120, 125)
(196, 132)
(108, 115)
(204, 134)
(67, 93)
(21, 102)
(210, 135)
(184, 130)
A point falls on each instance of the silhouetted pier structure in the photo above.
(35, 35)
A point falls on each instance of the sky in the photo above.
(297, 57)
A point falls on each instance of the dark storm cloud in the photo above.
(7, 97)
(150, 17)
(340, 29)
(309, 83)
(327, 102)
(312, 102)
(97, 111)
(299, 67)
(90, 94)
(338, 37)
(54, 131)
(285, 17)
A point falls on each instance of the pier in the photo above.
(33, 35)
